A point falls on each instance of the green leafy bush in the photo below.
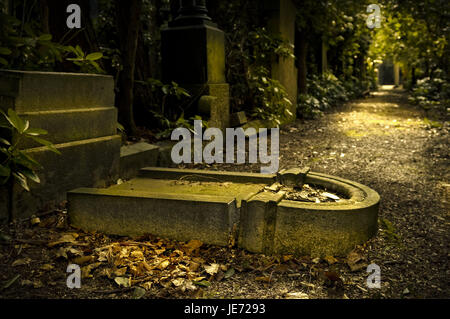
(432, 93)
(86, 62)
(23, 47)
(269, 97)
(162, 93)
(326, 91)
(15, 164)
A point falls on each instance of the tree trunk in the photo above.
(45, 16)
(128, 24)
(302, 67)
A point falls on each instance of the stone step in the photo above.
(86, 163)
(72, 125)
(134, 157)
(27, 91)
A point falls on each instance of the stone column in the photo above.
(282, 15)
(193, 55)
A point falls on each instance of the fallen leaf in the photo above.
(263, 278)
(138, 293)
(193, 266)
(329, 195)
(123, 282)
(86, 270)
(177, 282)
(137, 254)
(230, 272)
(62, 252)
(331, 275)
(47, 267)
(330, 260)
(120, 272)
(190, 286)
(35, 221)
(192, 245)
(212, 269)
(147, 285)
(83, 260)
(159, 251)
(198, 278)
(164, 264)
(307, 284)
(203, 283)
(64, 239)
(357, 267)
(353, 259)
(21, 262)
(297, 295)
(35, 284)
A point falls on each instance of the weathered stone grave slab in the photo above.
(218, 207)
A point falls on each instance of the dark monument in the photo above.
(193, 55)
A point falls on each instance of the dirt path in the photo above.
(381, 142)
(384, 143)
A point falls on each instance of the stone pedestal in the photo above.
(193, 55)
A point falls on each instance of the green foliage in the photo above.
(270, 97)
(325, 92)
(86, 62)
(414, 34)
(16, 163)
(432, 93)
(168, 126)
(24, 47)
(163, 92)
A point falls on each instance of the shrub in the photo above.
(326, 91)
(432, 93)
(15, 164)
